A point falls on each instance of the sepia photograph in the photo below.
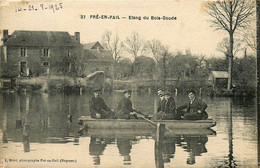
(127, 83)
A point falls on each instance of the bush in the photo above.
(59, 85)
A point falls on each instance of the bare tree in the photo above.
(78, 62)
(134, 45)
(223, 47)
(230, 15)
(165, 54)
(113, 44)
(250, 38)
(155, 47)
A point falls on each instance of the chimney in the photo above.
(77, 36)
(5, 35)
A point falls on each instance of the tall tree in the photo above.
(114, 44)
(144, 66)
(165, 54)
(124, 68)
(230, 15)
(154, 47)
(134, 45)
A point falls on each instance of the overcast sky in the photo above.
(190, 31)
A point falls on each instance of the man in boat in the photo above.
(195, 108)
(98, 108)
(125, 109)
(167, 109)
(160, 101)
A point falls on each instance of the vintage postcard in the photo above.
(128, 83)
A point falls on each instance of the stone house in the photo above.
(33, 53)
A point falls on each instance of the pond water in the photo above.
(41, 130)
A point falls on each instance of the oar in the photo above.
(139, 114)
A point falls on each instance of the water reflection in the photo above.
(231, 160)
(30, 118)
(97, 147)
(28, 121)
(165, 151)
(124, 146)
(26, 134)
(195, 145)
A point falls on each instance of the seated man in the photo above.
(160, 102)
(167, 108)
(125, 109)
(195, 108)
(98, 108)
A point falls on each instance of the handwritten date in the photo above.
(40, 7)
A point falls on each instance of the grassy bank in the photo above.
(57, 84)
(67, 84)
(181, 87)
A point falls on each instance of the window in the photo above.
(46, 52)
(23, 69)
(46, 64)
(23, 52)
(5, 53)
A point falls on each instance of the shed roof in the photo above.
(41, 38)
(90, 76)
(220, 74)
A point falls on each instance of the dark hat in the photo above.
(191, 91)
(128, 91)
(96, 89)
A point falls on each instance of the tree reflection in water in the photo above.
(26, 134)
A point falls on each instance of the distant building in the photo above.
(98, 58)
(219, 79)
(31, 53)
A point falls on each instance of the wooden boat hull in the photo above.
(124, 133)
(89, 122)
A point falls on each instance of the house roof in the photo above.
(96, 52)
(41, 38)
(220, 74)
(93, 45)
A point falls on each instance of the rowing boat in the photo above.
(91, 123)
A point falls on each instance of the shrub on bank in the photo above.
(57, 84)
(28, 87)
